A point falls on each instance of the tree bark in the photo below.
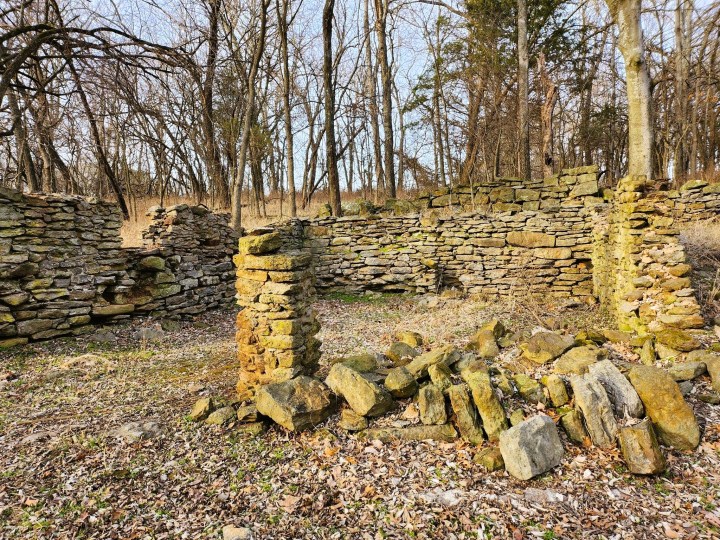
(546, 117)
(329, 94)
(236, 205)
(282, 13)
(523, 74)
(683, 14)
(381, 11)
(626, 14)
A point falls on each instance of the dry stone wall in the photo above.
(62, 267)
(516, 194)
(641, 271)
(695, 201)
(487, 254)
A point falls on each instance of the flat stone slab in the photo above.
(443, 432)
(623, 396)
(297, 404)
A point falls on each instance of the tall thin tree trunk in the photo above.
(546, 116)
(373, 108)
(381, 12)
(236, 204)
(640, 129)
(329, 91)
(282, 12)
(683, 14)
(523, 92)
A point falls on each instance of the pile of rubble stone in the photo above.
(576, 382)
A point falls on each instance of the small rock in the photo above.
(687, 371)
(490, 458)
(517, 417)
(640, 449)
(666, 353)
(531, 448)
(468, 421)
(362, 363)
(573, 425)
(441, 376)
(686, 387)
(711, 398)
(352, 421)
(254, 429)
(623, 396)
(150, 334)
(447, 355)
(139, 431)
(647, 353)
(365, 397)
(448, 498)
(202, 408)
(410, 338)
(577, 360)
(556, 389)
(401, 353)
(431, 403)
(195, 387)
(672, 417)
(677, 339)
(221, 416)
(713, 368)
(400, 383)
(529, 389)
(247, 414)
(592, 400)
(230, 532)
(297, 404)
(545, 347)
(496, 327)
(484, 344)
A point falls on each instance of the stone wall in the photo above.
(515, 194)
(487, 254)
(695, 201)
(62, 267)
(641, 271)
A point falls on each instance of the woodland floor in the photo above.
(63, 473)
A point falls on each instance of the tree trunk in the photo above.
(381, 10)
(626, 14)
(546, 117)
(329, 91)
(523, 73)
(683, 14)
(236, 204)
(373, 108)
(282, 12)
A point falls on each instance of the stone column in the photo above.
(277, 325)
(642, 272)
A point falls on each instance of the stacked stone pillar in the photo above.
(641, 272)
(277, 325)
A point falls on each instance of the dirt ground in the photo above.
(65, 474)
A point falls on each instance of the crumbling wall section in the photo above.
(62, 267)
(641, 271)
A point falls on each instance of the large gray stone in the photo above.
(623, 396)
(364, 397)
(592, 400)
(532, 447)
(297, 404)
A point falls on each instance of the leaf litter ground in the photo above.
(65, 474)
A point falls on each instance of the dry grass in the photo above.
(702, 243)
(132, 230)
